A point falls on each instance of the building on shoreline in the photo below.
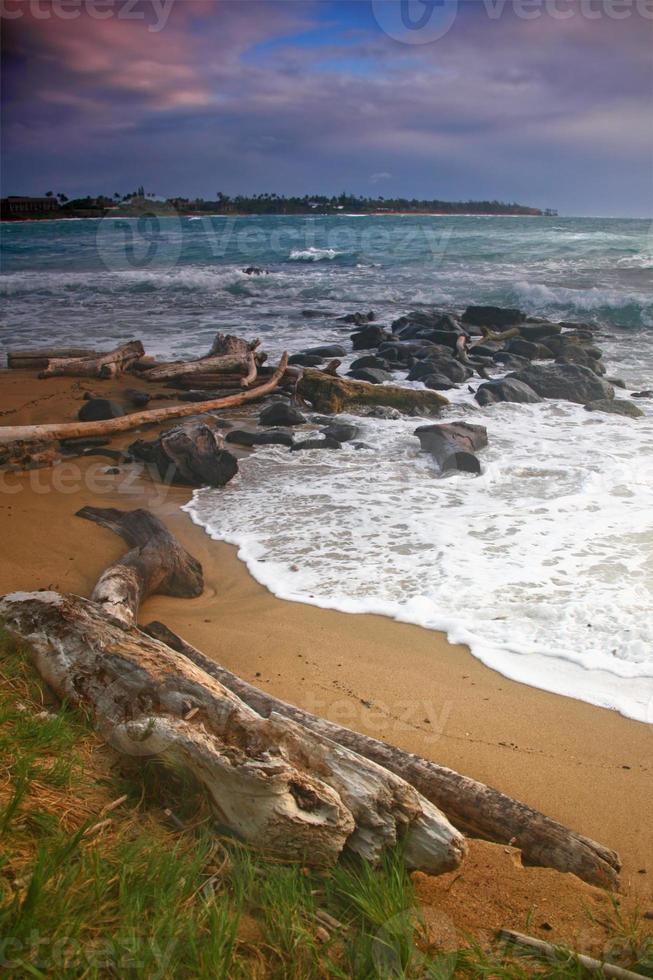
(21, 207)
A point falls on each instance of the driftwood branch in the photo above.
(222, 364)
(472, 807)
(104, 366)
(74, 430)
(553, 953)
(156, 563)
(229, 344)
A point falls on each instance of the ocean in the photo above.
(543, 565)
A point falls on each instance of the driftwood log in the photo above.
(106, 366)
(290, 791)
(471, 806)
(578, 961)
(37, 358)
(331, 394)
(20, 435)
(222, 364)
(453, 445)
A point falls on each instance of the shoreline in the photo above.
(408, 685)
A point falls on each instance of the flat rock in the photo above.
(327, 350)
(370, 336)
(375, 376)
(281, 414)
(306, 360)
(369, 361)
(615, 406)
(570, 382)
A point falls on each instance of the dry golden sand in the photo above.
(587, 767)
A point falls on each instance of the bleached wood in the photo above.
(104, 366)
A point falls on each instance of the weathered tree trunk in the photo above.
(105, 366)
(248, 380)
(226, 343)
(222, 364)
(156, 563)
(452, 445)
(23, 434)
(472, 807)
(288, 790)
(331, 394)
(37, 358)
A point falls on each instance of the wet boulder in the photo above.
(370, 361)
(615, 406)
(340, 431)
(271, 437)
(281, 414)
(325, 443)
(327, 350)
(453, 445)
(191, 454)
(369, 337)
(358, 319)
(306, 360)
(100, 410)
(574, 354)
(570, 382)
(539, 331)
(506, 390)
(493, 316)
(374, 375)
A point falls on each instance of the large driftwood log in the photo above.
(156, 563)
(23, 434)
(472, 807)
(222, 364)
(288, 790)
(331, 394)
(105, 366)
(453, 445)
(37, 358)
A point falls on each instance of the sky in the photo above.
(544, 102)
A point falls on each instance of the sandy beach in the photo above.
(587, 767)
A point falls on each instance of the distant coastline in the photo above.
(56, 207)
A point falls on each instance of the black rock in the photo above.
(340, 431)
(271, 437)
(306, 360)
(617, 382)
(521, 347)
(539, 331)
(100, 409)
(571, 382)
(648, 393)
(190, 454)
(615, 406)
(511, 362)
(493, 316)
(374, 375)
(253, 270)
(326, 443)
(137, 398)
(369, 361)
(370, 336)
(488, 348)
(582, 356)
(505, 390)
(361, 445)
(358, 319)
(437, 382)
(328, 350)
(453, 444)
(280, 413)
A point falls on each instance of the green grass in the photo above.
(138, 897)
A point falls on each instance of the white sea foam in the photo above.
(313, 254)
(543, 565)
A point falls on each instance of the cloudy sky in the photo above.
(547, 102)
